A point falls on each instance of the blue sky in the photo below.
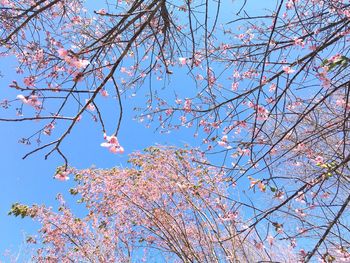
(31, 181)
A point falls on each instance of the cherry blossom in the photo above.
(183, 61)
(266, 98)
(62, 53)
(32, 100)
(90, 106)
(139, 208)
(62, 175)
(112, 144)
(104, 93)
(288, 70)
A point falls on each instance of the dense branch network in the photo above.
(269, 96)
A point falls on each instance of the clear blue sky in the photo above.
(31, 181)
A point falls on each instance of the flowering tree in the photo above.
(270, 95)
(166, 206)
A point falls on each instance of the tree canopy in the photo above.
(268, 97)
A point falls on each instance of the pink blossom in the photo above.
(302, 253)
(250, 104)
(270, 240)
(182, 61)
(5, 2)
(62, 175)
(116, 149)
(319, 160)
(326, 82)
(168, 112)
(202, 122)
(313, 47)
(300, 198)
(243, 151)
(325, 195)
(69, 60)
(90, 106)
(29, 81)
(242, 124)
(288, 70)
(300, 147)
(178, 101)
(48, 129)
(112, 144)
(289, 4)
(279, 195)
(300, 212)
(62, 52)
(262, 113)
(101, 11)
(197, 61)
(32, 100)
(341, 102)
(273, 151)
(259, 245)
(272, 87)
(335, 58)
(234, 86)
(236, 74)
(223, 141)
(188, 104)
(270, 100)
(299, 42)
(230, 216)
(199, 77)
(104, 93)
(81, 63)
(72, 61)
(211, 80)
